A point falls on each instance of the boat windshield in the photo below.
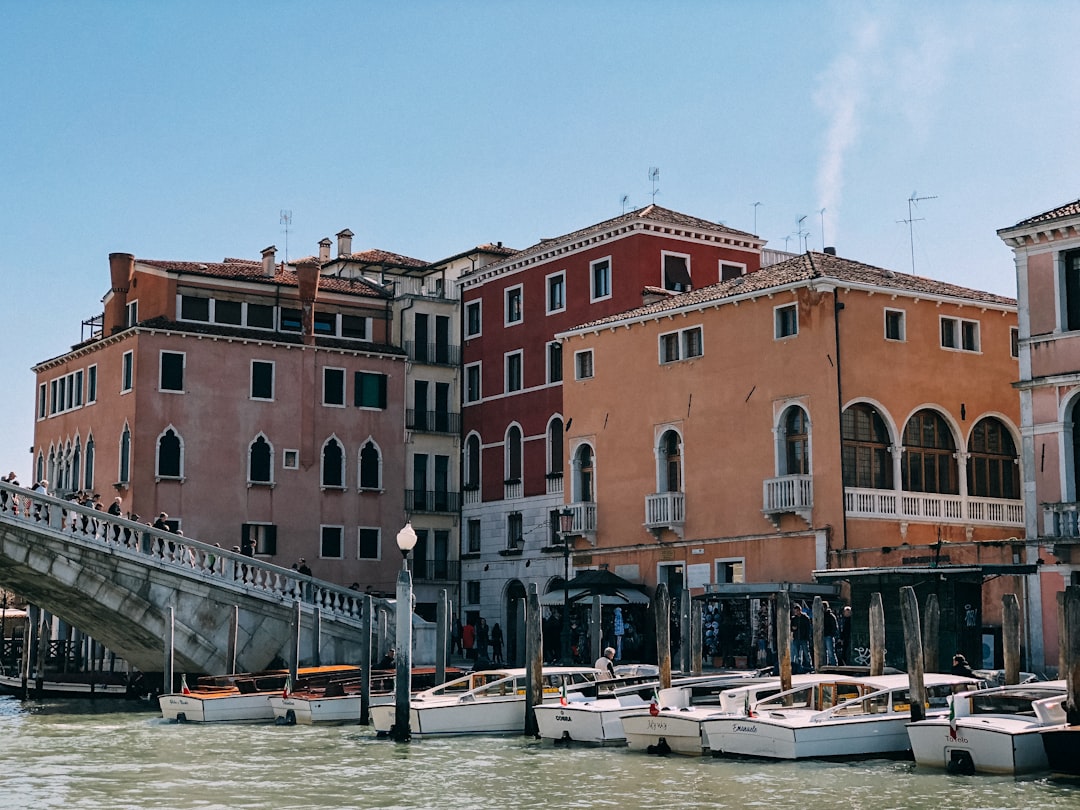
(1018, 702)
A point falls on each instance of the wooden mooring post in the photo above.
(534, 664)
(662, 602)
(931, 635)
(783, 638)
(913, 652)
(1010, 637)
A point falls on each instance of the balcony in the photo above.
(436, 570)
(1061, 520)
(513, 489)
(433, 501)
(890, 504)
(433, 421)
(554, 483)
(471, 495)
(665, 510)
(433, 354)
(429, 287)
(788, 494)
(584, 520)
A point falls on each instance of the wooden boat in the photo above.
(485, 702)
(832, 718)
(69, 685)
(240, 697)
(993, 730)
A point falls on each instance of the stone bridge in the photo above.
(115, 580)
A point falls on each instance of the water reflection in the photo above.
(79, 754)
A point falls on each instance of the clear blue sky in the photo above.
(180, 130)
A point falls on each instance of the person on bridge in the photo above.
(302, 567)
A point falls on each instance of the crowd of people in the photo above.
(478, 643)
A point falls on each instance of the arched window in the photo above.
(40, 466)
(929, 463)
(795, 434)
(669, 470)
(555, 447)
(76, 464)
(260, 461)
(333, 464)
(170, 455)
(584, 474)
(992, 470)
(866, 459)
(370, 466)
(125, 456)
(88, 477)
(472, 462)
(513, 454)
(52, 467)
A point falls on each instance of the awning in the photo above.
(767, 590)
(925, 570)
(555, 598)
(611, 588)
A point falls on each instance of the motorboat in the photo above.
(838, 717)
(485, 702)
(1062, 744)
(672, 724)
(339, 700)
(992, 730)
(243, 697)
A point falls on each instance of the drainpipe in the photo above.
(307, 273)
(837, 306)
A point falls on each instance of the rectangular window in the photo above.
(682, 345)
(369, 390)
(513, 305)
(554, 360)
(354, 326)
(960, 334)
(262, 379)
(290, 459)
(472, 319)
(600, 279)
(969, 334)
(77, 388)
(290, 320)
(514, 529)
(229, 312)
(669, 347)
(583, 365)
(513, 372)
(730, 271)
(261, 536)
(172, 371)
(472, 592)
(786, 321)
(43, 401)
(127, 367)
(330, 545)
(472, 382)
(691, 343)
(367, 544)
(260, 316)
(895, 324)
(1014, 342)
(1071, 269)
(91, 385)
(334, 387)
(54, 392)
(194, 308)
(473, 546)
(325, 323)
(556, 292)
(676, 272)
(132, 313)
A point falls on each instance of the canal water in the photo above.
(79, 755)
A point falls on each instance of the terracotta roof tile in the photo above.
(1061, 212)
(251, 271)
(375, 256)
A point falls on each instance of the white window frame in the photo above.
(549, 280)
(479, 304)
(1014, 341)
(131, 313)
(323, 486)
(682, 349)
(290, 459)
(379, 487)
(725, 262)
(273, 380)
(479, 382)
(777, 310)
(250, 481)
(43, 401)
(127, 371)
(91, 372)
(344, 388)
(689, 269)
(157, 455)
(577, 364)
(903, 324)
(959, 324)
(378, 542)
(724, 561)
(593, 297)
(547, 362)
(519, 289)
(183, 372)
(332, 526)
(520, 354)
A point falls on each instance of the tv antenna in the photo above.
(754, 206)
(625, 202)
(654, 178)
(821, 213)
(800, 233)
(913, 201)
(286, 220)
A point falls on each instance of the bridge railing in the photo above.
(98, 528)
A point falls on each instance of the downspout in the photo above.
(837, 306)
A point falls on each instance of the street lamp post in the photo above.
(406, 540)
(566, 526)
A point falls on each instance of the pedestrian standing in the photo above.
(496, 644)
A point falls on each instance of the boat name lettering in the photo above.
(739, 728)
(564, 718)
(657, 725)
(956, 739)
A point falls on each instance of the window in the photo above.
(132, 313)
(125, 457)
(600, 279)
(513, 305)
(259, 316)
(76, 389)
(169, 455)
(895, 324)
(513, 454)
(992, 470)
(127, 372)
(194, 308)
(325, 323)
(556, 292)
(172, 371)
(291, 320)
(959, 334)
(583, 365)
(676, 272)
(91, 385)
(929, 460)
(472, 382)
(473, 533)
(231, 312)
(514, 529)
(1071, 270)
(290, 459)
(1014, 342)
(786, 320)
(334, 387)
(333, 465)
(730, 271)
(866, 459)
(472, 592)
(43, 401)
(354, 327)
(796, 438)
(513, 372)
(554, 362)
(555, 447)
(261, 536)
(472, 319)
(260, 461)
(88, 471)
(330, 545)
(583, 474)
(262, 379)
(367, 544)
(730, 571)
(370, 466)
(670, 466)
(369, 390)
(682, 345)
(472, 462)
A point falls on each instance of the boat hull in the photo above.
(1062, 745)
(1001, 746)
(595, 723)
(493, 716)
(239, 708)
(773, 738)
(670, 731)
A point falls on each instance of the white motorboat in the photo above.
(673, 724)
(993, 730)
(839, 717)
(486, 702)
(238, 698)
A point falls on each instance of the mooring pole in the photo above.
(234, 635)
(662, 602)
(442, 621)
(316, 636)
(931, 635)
(366, 623)
(170, 649)
(783, 637)
(817, 613)
(534, 656)
(695, 637)
(1010, 637)
(294, 651)
(909, 612)
(877, 636)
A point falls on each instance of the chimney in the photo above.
(344, 242)
(269, 255)
(324, 249)
(830, 251)
(307, 274)
(121, 271)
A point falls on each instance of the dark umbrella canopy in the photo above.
(611, 588)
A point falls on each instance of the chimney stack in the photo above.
(831, 251)
(307, 276)
(324, 249)
(269, 256)
(121, 271)
(344, 243)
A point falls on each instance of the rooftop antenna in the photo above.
(754, 206)
(821, 213)
(913, 200)
(625, 202)
(286, 220)
(800, 232)
(654, 178)
(786, 238)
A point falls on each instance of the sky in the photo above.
(183, 130)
